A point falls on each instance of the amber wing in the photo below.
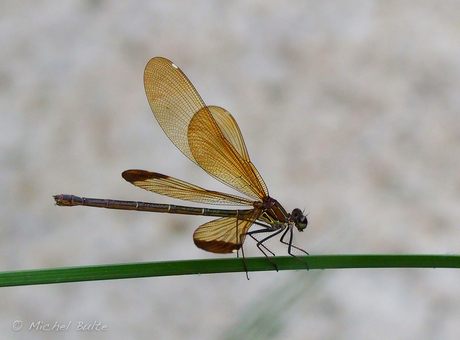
(224, 235)
(209, 136)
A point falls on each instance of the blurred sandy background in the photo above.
(350, 110)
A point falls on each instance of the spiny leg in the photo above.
(290, 245)
(242, 250)
(244, 262)
(263, 245)
(260, 243)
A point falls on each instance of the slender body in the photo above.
(210, 137)
(72, 200)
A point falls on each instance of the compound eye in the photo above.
(302, 223)
(299, 219)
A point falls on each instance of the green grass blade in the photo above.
(208, 266)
